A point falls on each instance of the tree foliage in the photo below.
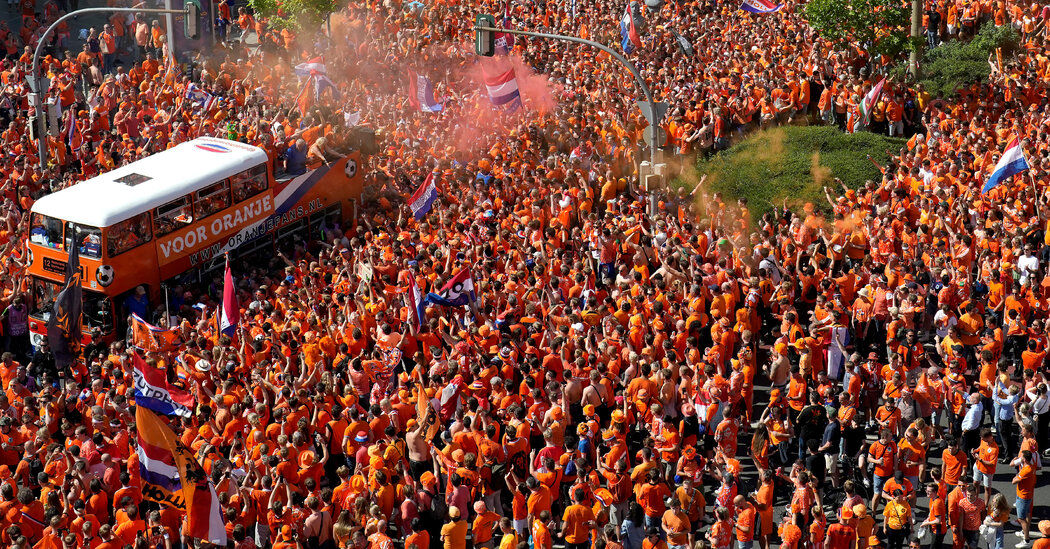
(878, 26)
(294, 14)
(958, 63)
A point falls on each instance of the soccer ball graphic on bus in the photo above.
(104, 275)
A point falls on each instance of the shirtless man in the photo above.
(572, 395)
(318, 526)
(779, 369)
(598, 396)
(418, 452)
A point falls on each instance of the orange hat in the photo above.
(458, 455)
(618, 417)
(427, 479)
(588, 410)
(306, 459)
(846, 513)
(557, 413)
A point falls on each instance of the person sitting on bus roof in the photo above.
(295, 158)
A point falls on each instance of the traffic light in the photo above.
(484, 41)
(192, 24)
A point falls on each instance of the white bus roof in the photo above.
(153, 181)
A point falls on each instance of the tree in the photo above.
(877, 26)
(293, 14)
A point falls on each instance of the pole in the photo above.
(916, 38)
(623, 61)
(36, 80)
(169, 22)
(616, 55)
(167, 313)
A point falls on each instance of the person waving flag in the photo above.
(630, 40)
(1010, 164)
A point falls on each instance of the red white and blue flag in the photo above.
(630, 40)
(1010, 164)
(230, 313)
(417, 307)
(421, 93)
(459, 291)
(423, 199)
(312, 67)
(503, 89)
(153, 391)
(197, 95)
(760, 6)
(504, 41)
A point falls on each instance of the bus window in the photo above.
(172, 216)
(249, 183)
(46, 231)
(88, 238)
(211, 199)
(128, 234)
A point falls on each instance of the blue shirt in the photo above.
(1006, 405)
(295, 161)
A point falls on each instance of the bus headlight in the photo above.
(29, 254)
(104, 275)
(36, 339)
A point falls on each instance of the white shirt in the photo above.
(1027, 264)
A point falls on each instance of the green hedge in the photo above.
(794, 163)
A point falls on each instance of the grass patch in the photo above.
(794, 163)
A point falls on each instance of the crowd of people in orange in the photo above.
(637, 371)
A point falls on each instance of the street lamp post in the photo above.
(36, 80)
(638, 80)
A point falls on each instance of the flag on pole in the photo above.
(459, 291)
(423, 199)
(421, 93)
(683, 43)
(65, 326)
(312, 67)
(305, 99)
(503, 89)
(760, 6)
(203, 515)
(153, 391)
(417, 307)
(505, 41)
(868, 103)
(230, 314)
(1010, 164)
(322, 83)
(630, 40)
(152, 338)
(203, 98)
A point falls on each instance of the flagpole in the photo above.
(167, 313)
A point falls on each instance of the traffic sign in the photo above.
(661, 110)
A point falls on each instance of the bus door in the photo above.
(98, 310)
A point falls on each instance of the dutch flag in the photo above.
(760, 6)
(230, 314)
(503, 89)
(1012, 163)
(629, 37)
(421, 93)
